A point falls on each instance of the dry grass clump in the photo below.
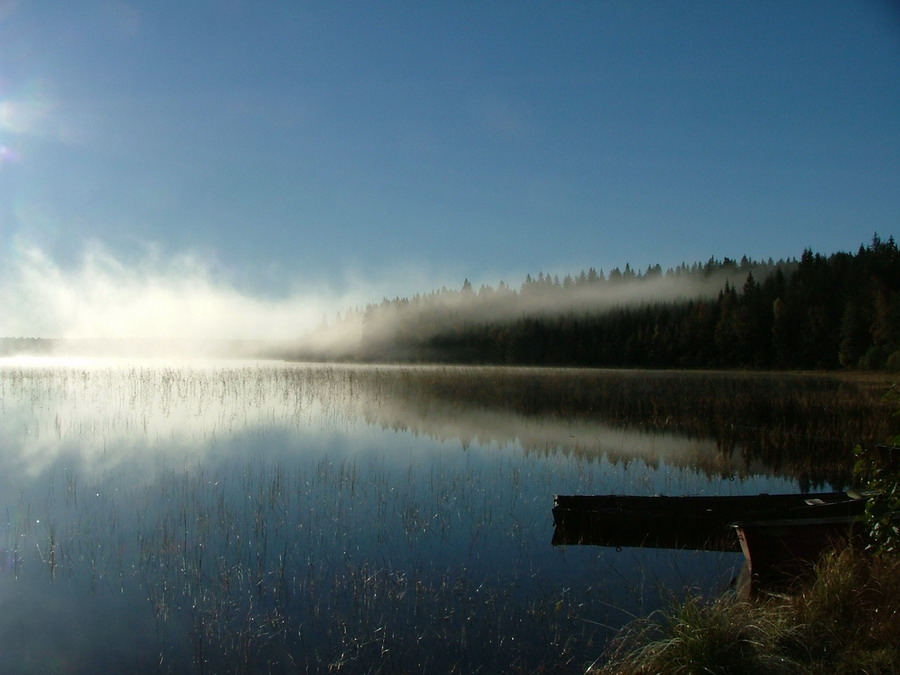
(844, 618)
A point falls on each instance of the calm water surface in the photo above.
(270, 517)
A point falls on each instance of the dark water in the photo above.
(266, 517)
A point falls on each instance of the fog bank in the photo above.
(179, 301)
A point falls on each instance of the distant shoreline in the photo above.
(127, 347)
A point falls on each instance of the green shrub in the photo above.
(877, 470)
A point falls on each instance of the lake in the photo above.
(232, 516)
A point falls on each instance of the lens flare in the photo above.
(27, 111)
(7, 155)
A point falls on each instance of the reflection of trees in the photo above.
(586, 440)
(795, 425)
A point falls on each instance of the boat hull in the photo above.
(778, 550)
(691, 522)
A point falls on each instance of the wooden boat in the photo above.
(778, 549)
(692, 522)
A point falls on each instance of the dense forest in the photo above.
(842, 310)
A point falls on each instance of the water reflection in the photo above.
(248, 516)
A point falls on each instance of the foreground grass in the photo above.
(844, 618)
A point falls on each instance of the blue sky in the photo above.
(344, 150)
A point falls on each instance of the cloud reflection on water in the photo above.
(101, 413)
(217, 500)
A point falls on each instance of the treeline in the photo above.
(842, 310)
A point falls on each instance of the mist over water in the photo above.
(183, 301)
(160, 297)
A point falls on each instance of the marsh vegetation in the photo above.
(842, 618)
(249, 516)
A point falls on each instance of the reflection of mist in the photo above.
(105, 412)
(220, 501)
(102, 413)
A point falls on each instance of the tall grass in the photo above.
(843, 618)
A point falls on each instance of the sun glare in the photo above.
(64, 362)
